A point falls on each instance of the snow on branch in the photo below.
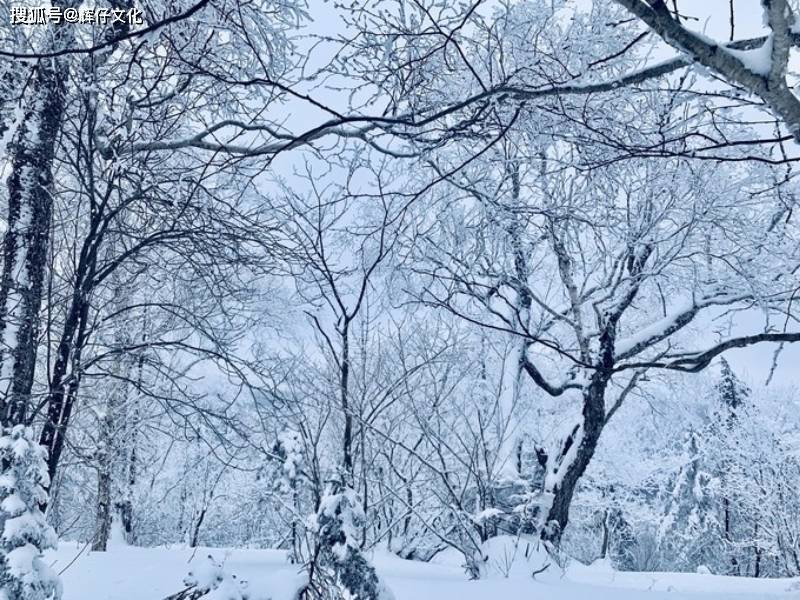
(693, 362)
(763, 76)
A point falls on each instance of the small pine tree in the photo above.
(731, 390)
(732, 394)
(24, 575)
(689, 517)
(336, 524)
(289, 449)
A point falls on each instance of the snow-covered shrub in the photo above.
(336, 524)
(24, 575)
(210, 581)
(689, 529)
(290, 450)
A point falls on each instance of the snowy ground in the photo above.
(151, 574)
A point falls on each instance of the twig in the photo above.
(82, 550)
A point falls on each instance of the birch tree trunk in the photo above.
(30, 201)
(513, 360)
(110, 447)
(108, 452)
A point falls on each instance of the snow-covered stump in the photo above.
(336, 524)
(24, 575)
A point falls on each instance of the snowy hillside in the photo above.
(126, 573)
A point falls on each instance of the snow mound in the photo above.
(516, 558)
(601, 565)
(210, 579)
(449, 557)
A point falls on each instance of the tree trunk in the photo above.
(103, 510)
(512, 368)
(64, 381)
(195, 539)
(63, 387)
(574, 460)
(756, 552)
(344, 384)
(604, 546)
(109, 450)
(30, 193)
(726, 509)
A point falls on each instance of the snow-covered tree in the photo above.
(24, 572)
(690, 521)
(337, 524)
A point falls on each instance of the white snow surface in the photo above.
(130, 573)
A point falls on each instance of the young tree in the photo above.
(23, 570)
(340, 254)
